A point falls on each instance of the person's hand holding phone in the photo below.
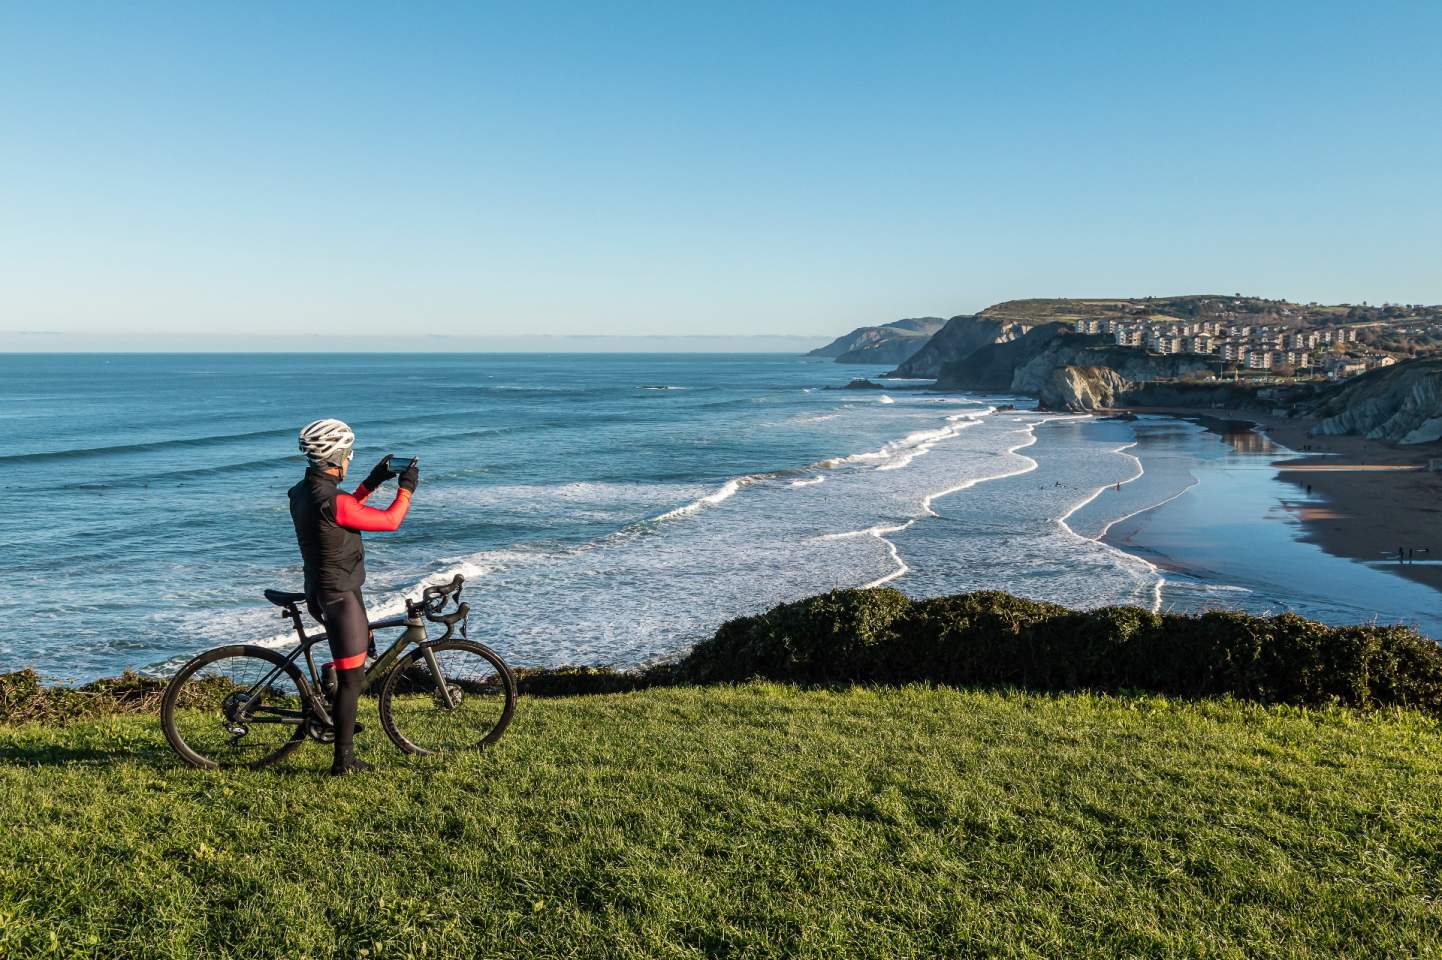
(380, 473)
(411, 475)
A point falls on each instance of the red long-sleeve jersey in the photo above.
(351, 512)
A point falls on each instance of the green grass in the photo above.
(750, 821)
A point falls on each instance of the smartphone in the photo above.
(402, 464)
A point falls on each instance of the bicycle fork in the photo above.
(435, 668)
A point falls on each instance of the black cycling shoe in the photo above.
(353, 765)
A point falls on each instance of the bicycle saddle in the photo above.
(282, 599)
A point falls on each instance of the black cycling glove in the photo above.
(410, 477)
(380, 473)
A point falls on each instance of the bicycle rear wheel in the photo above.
(467, 706)
(235, 706)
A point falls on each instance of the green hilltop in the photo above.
(750, 820)
(939, 778)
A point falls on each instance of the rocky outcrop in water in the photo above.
(1400, 404)
(1082, 388)
(961, 337)
(892, 342)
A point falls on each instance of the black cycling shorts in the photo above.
(346, 625)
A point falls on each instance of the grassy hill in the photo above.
(750, 820)
(690, 811)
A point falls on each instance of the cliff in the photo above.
(961, 337)
(1066, 370)
(1400, 404)
(993, 366)
(888, 343)
(1082, 388)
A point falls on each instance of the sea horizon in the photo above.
(63, 343)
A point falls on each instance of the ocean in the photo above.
(608, 509)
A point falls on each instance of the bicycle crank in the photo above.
(319, 731)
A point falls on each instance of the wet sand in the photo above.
(1375, 497)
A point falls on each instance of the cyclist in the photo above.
(328, 523)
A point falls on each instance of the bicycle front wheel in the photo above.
(448, 696)
(236, 706)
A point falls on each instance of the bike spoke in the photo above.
(455, 705)
(237, 710)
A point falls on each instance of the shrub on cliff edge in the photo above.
(845, 636)
(973, 639)
(995, 639)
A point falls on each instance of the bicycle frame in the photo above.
(414, 633)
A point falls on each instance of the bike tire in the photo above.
(171, 711)
(403, 669)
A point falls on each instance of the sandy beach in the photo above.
(1376, 497)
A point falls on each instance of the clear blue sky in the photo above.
(687, 168)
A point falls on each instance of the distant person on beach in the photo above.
(328, 525)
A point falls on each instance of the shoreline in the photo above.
(1355, 498)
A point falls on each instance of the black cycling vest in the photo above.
(335, 560)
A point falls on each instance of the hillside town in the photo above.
(1280, 348)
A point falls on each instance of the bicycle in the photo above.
(244, 705)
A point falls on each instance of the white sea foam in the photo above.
(899, 453)
(894, 456)
(1160, 580)
(882, 532)
(725, 492)
(884, 399)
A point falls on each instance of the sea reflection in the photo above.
(1248, 441)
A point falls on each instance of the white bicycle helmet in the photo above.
(326, 442)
